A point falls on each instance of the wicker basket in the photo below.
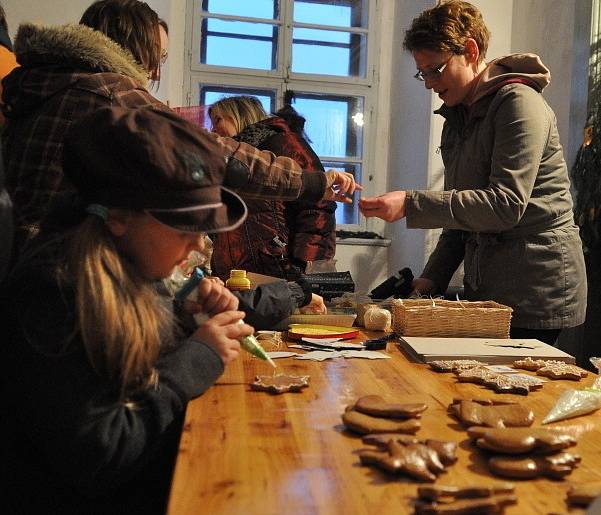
(450, 318)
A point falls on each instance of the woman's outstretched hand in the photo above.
(390, 207)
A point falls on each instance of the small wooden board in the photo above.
(489, 350)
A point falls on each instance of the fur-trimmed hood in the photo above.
(78, 46)
(58, 59)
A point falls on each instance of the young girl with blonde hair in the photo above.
(98, 367)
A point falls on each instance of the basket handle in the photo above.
(460, 303)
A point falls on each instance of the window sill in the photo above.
(364, 242)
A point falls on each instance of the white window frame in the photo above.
(282, 78)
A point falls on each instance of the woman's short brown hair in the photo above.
(133, 25)
(446, 28)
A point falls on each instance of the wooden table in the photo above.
(247, 452)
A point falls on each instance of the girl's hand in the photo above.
(316, 306)
(221, 333)
(212, 298)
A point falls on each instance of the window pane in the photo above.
(333, 123)
(254, 8)
(346, 213)
(239, 44)
(329, 52)
(351, 13)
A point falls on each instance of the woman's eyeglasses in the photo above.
(164, 55)
(434, 73)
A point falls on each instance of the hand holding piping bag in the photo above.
(214, 308)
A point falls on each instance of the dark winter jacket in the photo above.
(267, 305)
(71, 440)
(278, 235)
(506, 208)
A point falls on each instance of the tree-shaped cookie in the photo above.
(416, 460)
(447, 451)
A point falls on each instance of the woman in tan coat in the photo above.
(506, 208)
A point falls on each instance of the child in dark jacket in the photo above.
(97, 374)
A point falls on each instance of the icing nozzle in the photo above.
(250, 344)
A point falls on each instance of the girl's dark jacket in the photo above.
(277, 235)
(72, 441)
(64, 433)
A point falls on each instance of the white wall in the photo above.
(53, 12)
(561, 36)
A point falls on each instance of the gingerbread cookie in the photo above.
(471, 413)
(555, 466)
(488, 505)
(505, 384)
(280, 383)
(500, 383)
(584, 494)
(478, 375)
(518, 440)
(534, 364)
(437, 492)
(562, 371)
(376, 406)
(416, 460)
(366, 424)
(456, 364)
(485, 402)
(446, 450)
(381, 440)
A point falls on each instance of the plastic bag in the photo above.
(182, 272)
(573, 403)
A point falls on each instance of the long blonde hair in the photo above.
(121, 319)
(244, 110)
